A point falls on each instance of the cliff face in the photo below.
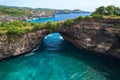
(14, 45)
(102, 36)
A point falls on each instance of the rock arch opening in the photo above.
(53, 41)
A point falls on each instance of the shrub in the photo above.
(36, 26)
(15, 30)
(97, 16)
(51, 25)
(86, 17)
(4, 24)
(54, 25)
(48, 24)
(80, 17)
(32, 23)
(68, 22)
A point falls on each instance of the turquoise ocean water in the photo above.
(57, 59)
(59, 17)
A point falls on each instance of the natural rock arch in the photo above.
(99, 35)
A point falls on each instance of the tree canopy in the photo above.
(110, 10)
(14, 11)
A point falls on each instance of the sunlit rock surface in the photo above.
(102, 36)
(98, 35)
(14, 45)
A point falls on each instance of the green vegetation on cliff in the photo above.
(110, 10)
(23, 11)
(69, 22)
(102, 12)
(22, 27)
(11, 11)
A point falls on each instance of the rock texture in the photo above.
(102, 36)
(14, 45)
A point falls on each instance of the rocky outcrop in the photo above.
(14, 45)
(98, 35)
(42, 14)
(102, 36)
(34, 14)
(4, 18)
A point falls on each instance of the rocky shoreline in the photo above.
(18, 44)
(34, 14)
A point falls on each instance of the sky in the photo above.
(87, 5)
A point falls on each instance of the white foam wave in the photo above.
(61, 37)
(29, 54)
(50, 35)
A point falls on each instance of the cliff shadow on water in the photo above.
(54, 44)
(56, 58)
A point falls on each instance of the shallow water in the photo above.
(57, 59)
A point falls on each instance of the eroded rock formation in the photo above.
(102, 36)
(14, 45)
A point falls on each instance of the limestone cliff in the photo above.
(99, 35)
(102, 36)
(14, 45)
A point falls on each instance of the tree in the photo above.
(100, 10)
(117, 11)
(110, 10)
